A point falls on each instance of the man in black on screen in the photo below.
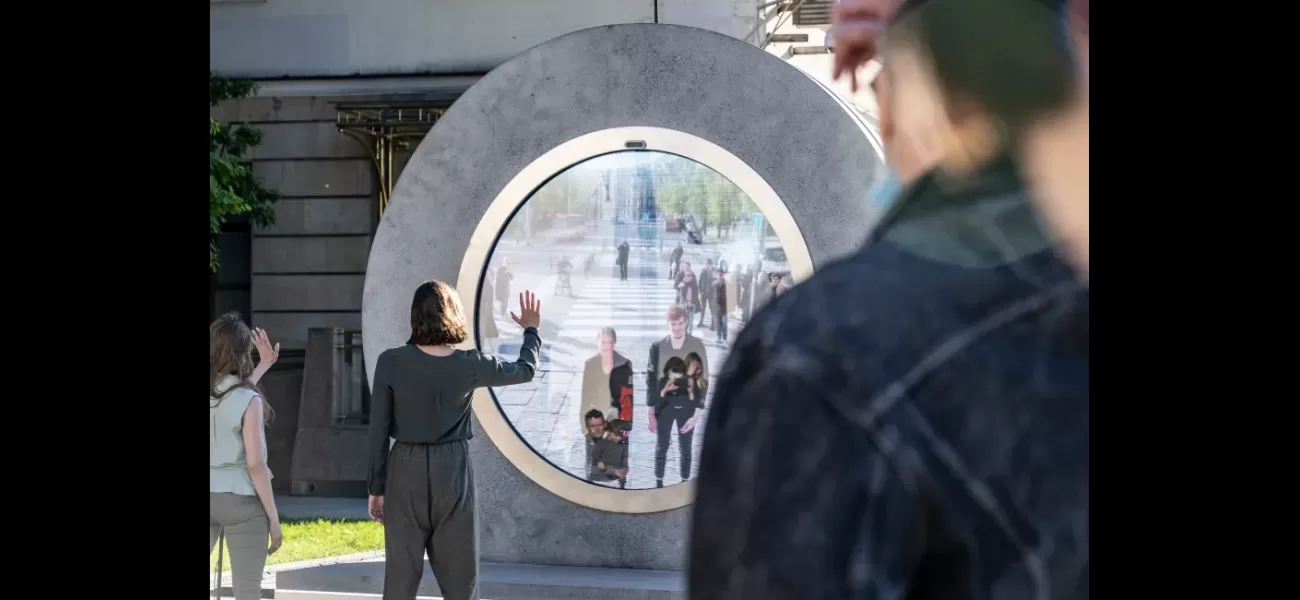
(706, 292)
(675, 262)
(503, 279)
(677, 407)
(623, 251)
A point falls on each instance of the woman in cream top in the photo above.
(228, 461)
(240, 503)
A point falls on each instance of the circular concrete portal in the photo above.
(760, 122)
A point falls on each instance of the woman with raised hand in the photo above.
(422, 486)
(240, 503)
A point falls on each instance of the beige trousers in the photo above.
(247, 535)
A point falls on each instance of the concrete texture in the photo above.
(281, 388)
(327, 458)
(782, 123)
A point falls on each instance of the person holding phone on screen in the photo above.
(673, 405)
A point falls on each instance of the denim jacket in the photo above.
(912, 421)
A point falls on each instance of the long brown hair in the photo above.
(698, 378)
(436, 316)
(230, 352)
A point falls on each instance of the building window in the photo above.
(351, 392)
(230, 286)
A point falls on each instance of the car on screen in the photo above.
(774, 259)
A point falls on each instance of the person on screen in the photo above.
(669, 398)
(624, 251)
(745, 284)
(606, 383)
(720, 306)
(770, 289)
(677, 284)
(698, 384)
(675, 261)
(504, 277)
(608, 457)
(564, 275)
(689, 295)
(706, 293)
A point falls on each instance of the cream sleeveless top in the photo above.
(227, 462)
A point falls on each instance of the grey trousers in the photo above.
(429, 507)
(247, 535)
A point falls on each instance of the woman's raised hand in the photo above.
(266, 353)
(530, 309)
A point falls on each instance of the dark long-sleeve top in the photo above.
(419, 398)
(610, 452)
(690, 291)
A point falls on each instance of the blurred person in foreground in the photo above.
(1056, 155)
(912, 421)
(906, 156)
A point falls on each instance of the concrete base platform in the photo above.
(365, 579)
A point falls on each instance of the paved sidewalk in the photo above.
(361, 576)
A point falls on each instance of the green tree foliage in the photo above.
(551, 199)
(696, 189)
(232, 188)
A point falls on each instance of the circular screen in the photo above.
(647, 264)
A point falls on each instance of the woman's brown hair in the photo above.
(230, 352)
(437, 316)
(698, 377)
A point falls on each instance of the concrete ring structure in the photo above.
(796, 138)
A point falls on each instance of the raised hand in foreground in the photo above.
(856, 26)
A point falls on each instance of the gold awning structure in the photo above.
(385, 129)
